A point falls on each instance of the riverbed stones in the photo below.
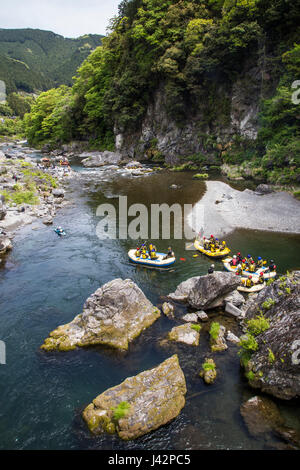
(190, 317)
(218, 343)
(113, 316)
(168, 310)
(140, 404)
(206, 292)
(188, 334)
(5, 244)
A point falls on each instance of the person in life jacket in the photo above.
(153, 254)
(223, 247)
(260, 262)
(170, 253)
(212, 247)
(217, 243)
(261, 278)
(244, 266)
(144, 252)
(234, 261)
(239, 257)
(252, 267)
(239, 270)
(205, 243)
(138, 252)
(272, 266)
(211, 269)
(249, 259)
(249, 282)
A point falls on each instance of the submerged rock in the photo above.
(206, 292)
(217, 338)
(262, 417)
(275, 366)
(140, 404)
(187, 334)
(114, 316)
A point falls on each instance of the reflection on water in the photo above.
(45, 283)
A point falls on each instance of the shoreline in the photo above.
(223, 209)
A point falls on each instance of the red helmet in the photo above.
(244, 260)
(250, 277)
(238, 253)
(211, 236)
(252, 262)
(261, 274)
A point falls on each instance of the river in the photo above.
(45, 282)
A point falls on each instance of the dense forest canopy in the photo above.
(190, 47)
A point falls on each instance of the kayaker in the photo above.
(211, 269)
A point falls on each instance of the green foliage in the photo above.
(267, 304)
(121, 410)
(206, 366)
(258, 325)
(248, 343)
(11, 127)
(196, 328)
(201, 176)
(271, 356)
(33, 60)
(214, 330)
(250, 375)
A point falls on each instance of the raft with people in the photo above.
(246, 267)
(253, 288)
(212, 247)
(150, 257)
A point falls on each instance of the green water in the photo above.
(45, 281)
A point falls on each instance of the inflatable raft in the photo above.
(255, 288)
(216, 254)
(160, 262)
(232, 269)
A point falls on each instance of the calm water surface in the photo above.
(45, 282)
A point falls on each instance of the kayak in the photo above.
(60, 234)
(160, 262)
(216, 254)
(255, 288)
(232, 269)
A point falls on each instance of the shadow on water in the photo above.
(45, 282)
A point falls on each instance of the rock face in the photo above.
(151, 399)
(185, 334)
(275, 366)
(114, 315)
(97, 159)
(205, 292)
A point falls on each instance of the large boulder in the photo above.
(275, 365)
(114, 315)
(140, 404)
(98, 159)
(205, 292)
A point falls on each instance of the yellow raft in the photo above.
(212, 254)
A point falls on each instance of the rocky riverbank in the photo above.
(118, 312)
(29, 191)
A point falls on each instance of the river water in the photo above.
(44, 283)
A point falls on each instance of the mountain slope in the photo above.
(32, 59)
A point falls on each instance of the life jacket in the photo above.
(137, 253)
(249, 283)
(212, 248)
(234, 262)
(244, 266)
(260, 263)
(153, 254)
(252, 268)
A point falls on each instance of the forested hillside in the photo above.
(32, 60)
(207, 81)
